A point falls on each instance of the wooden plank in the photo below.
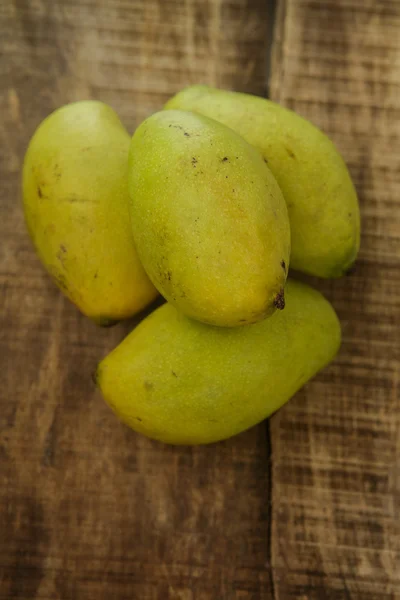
(336, 446)
(88, 509)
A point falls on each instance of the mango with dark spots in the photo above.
(321, 199)
(209, 220)
(183, 382)
(76, 203)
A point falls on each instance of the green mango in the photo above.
(209, 220)
(76, 203)
(182, 382)
(321, 199)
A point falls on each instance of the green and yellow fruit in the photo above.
(75, 192)
(321, 200)
(209, 220)
(183, 382)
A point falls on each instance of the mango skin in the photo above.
(76, 204)
(321, 199)
(209, 220)
(182, 382)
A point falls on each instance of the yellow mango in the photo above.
(321, 199)
(76, 203)
(209, 220)
(182, 382)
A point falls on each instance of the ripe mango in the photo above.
(76, 203)
(321, 199)
(209, 220)
(182, 382)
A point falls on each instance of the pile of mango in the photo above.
(209, 204)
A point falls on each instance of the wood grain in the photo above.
(88, 509)
(336, 446)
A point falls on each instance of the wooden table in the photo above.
(304, 507)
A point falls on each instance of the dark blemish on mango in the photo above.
(60, 256)
(60, 280)
(290, 152)
(186, 134)
(194, 161)
(279, 300)
(139, 419)
(57, 173)
(242, 320)
(96, 275)
(63, 248)
(174, 374)
(73, 198)
(225, 159)
(96, 376)
(283, 265)
(350, 214)
(169, 275)
(148, 385)
(265, 160)
(39, 191)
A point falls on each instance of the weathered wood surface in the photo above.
(88, 509)
(336, 447)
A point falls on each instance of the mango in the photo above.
(210, 223)
(179, 381)
(76, 204)
(321, 199)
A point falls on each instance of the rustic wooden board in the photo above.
(336, 447)
(88, 509)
